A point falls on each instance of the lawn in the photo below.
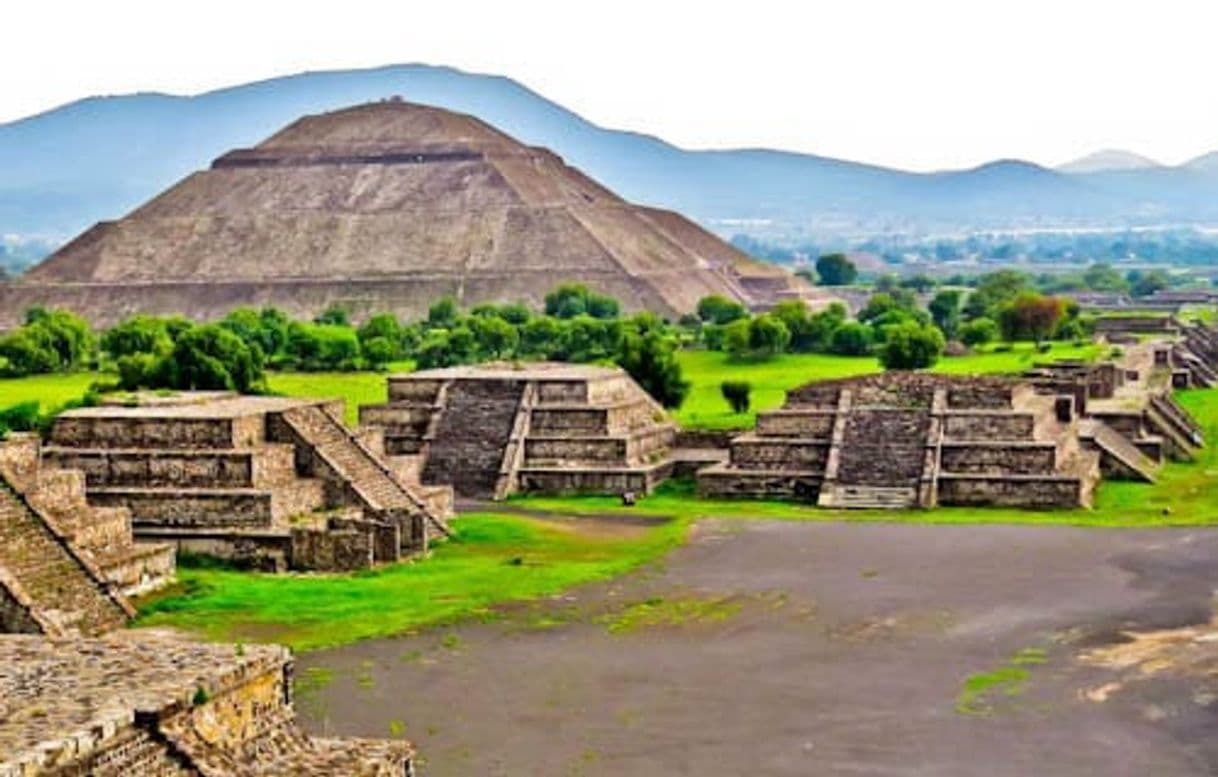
(495, 559)
(51, 391)
(357, 388)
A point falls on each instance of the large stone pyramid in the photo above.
(387, 206)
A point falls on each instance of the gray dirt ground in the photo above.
(821, 649)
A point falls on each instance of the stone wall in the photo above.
(999, 457)
(333, 550)
(193, 433)
(988, 426)
(754, 453)
(1009, 491)
(796, 423)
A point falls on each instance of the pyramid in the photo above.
(387, 206)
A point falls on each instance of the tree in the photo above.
(26, 353)
(979, 331)
(1150, 283)
(736, 392)
(574, 299)
(651, 360)
(1031, 316)
(759, 338)
(1103, 277)
(944, 310)
(137, 335)
(322, 347)
(921, 283)
(443, 313)
(993, 291)
(852, 338)
(836, 270)
(539, 338)
(209, 357)
(497, 339)
(381, 339)
(65, 333)
(717, 309)
(911, 346)
(334, 315)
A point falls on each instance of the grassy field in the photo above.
(357, 388)
(495, 559)
(50, 390)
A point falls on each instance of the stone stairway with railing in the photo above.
(469, 440)
(1118, 455)
(350, 465)
(881, 460)
(46, 585)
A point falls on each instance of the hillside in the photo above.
(98, 158)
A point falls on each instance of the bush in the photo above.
(209, 357)
(911, 346)
(651, 360)
(736, 392)
(314, 347)
(836, 270)
(851, 339)
(717, 309)
(979, 331)
(22, 417)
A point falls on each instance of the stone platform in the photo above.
(495, 429)
(910, 439)
(270, 481)
(146, 703)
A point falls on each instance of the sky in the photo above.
(915, 84)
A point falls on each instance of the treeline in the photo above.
(893, 325)
(234, 353)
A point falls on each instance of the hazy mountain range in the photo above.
(97, 158)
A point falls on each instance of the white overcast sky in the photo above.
(920, 84)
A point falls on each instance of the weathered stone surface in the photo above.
(493, 429)
(388, 207)
(145, 703)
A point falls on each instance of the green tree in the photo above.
(979, 331)
(736, 393)
(334, 315)
(1031, 316)
(137, 335)
(836, 270)
(944, 310)
(1103, 277)
(1150, 283)
(852, 338)
(651, 360)
(911, 346)
(497, 339)
(717, 309)
(210, 357)
(443, 313)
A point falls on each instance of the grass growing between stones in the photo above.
(496, 559)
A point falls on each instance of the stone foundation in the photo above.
(492, 430)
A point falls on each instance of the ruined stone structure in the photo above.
(270, 481)
(101, 536)
(911, 439)
(495, 429)
(141, 703)
(388, 207)
(1131, 397)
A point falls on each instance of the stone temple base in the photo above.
(496, 429)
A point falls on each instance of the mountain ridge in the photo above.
(98, 157)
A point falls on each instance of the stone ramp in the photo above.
(378, 490)
(470, 439)
(1118, 456)
(48, 586)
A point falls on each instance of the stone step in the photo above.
(51, 575)
(848, 497)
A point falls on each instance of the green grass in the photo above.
(977, 697)
(49, 390)
(705, 407)
(357, 388)
(496, 559)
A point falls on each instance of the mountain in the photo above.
(1206, 164)
(1107, 160)
(98, 158)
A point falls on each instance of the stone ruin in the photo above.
(147, 703)
(901, 440)
(1132, 396)
(267, 481)
(387, 207)
(496, 429)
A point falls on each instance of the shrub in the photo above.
(736, 392)
(717, 309)
(22, 417)
(851, 339)
(911, 346)
(979, 331)
(209, 357)
(651, 360)
(836, 270)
